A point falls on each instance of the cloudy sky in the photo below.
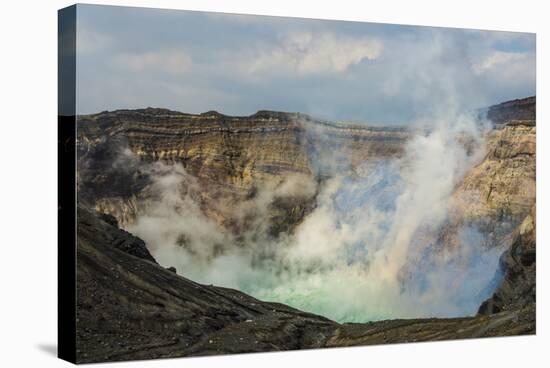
(344, 71)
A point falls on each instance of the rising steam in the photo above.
(372, 248)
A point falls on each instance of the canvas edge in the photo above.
(66, 176)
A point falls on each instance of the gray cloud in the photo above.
(236, 64)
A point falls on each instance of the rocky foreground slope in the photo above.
(129, 307)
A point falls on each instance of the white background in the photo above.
(28, 202)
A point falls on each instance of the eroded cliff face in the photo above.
(229, 156)
(235, 150)
(503, 184)
(232, 156)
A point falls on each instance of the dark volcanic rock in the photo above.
(104, 171)
(517, 288)
(516, 110)
(103, 228)
(516, 322)
(129, 307)
(110, 219)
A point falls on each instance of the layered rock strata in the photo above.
(230, 157)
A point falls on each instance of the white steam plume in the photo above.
(371, 249)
